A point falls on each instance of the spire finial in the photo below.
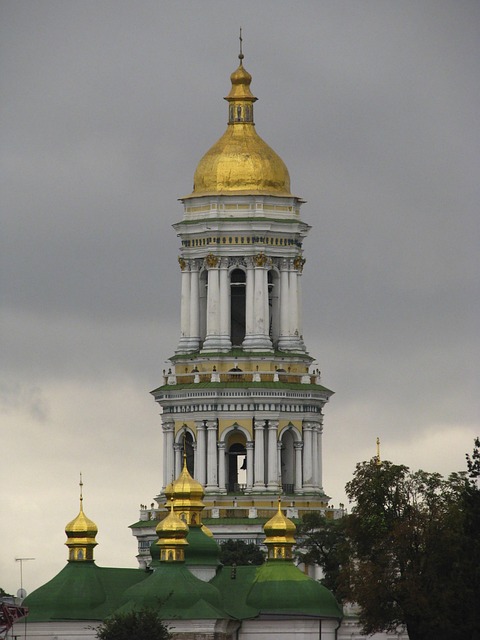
(81, 489)
(240, 55)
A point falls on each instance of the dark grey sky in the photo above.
(107, 107)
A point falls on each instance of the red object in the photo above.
(9, 614)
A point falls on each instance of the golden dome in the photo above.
(240, 161)
(81, 532)
(187, 494)
(280, 535)
(172, 533)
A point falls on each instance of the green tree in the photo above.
(408, 537)
(322, 542)
(143, 624)
(240, 553)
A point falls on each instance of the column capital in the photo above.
(298, 444)
(168, 424)
(258, 424)
(211, 261)
(221, 445)
(177, 446)
(273, 424)
(200, 424)
(211, 424)
(250, 444)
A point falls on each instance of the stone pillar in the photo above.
(222, 480)
(259, 482)
(212, 340)
(279, 464)
(178, 458)
(249, 296)
(272, 467)
(212, 464)
(320, 455)
(168, 427)
(200, 468)
(298, 446)
(284, 305)
(194, 306)
(258, 339)
(183, 345)
(307, 456)
(250, 448)
(315, 455)
(224, 310)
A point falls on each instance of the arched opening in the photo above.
(237, 306)
(236, 463)
(288, 463)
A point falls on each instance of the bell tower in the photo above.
(241, 400)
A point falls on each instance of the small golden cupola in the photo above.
(81, 532)
(240, 161)
(187, 495)
(172, 533)
(280, 536)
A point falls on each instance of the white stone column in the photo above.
(250, 449)
(212, 463)
(259, 481)
(212, 340)
(284, 303)
(224, 310)
(298, 446)
(320, 456)
(168, 427)
(200, 468)
(307, 456)
(183, 345)
(279, 464)
(222, 480)
(315, 456)
(194, 306)
(293, 301)
(257, 338)
(178, 458)
(249, 296)
(272, 466)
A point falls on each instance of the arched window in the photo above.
(187, 448)
(288, 463)
(236, 453)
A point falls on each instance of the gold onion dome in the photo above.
(81, 532)
(279, 535)
(172, 533)
(240, 161)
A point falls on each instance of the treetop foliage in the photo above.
(240, 553)
(142, 624)
(409, 552)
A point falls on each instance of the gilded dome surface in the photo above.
(240, 161)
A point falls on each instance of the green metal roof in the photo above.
(177, 594)
(281, 588)
(81, 591)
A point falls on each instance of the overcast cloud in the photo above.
(107, 107)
